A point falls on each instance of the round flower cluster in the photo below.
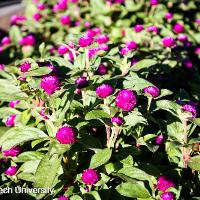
(13, 152)
(117, 120)
(104, 90)
(191, 109)
(25, 67)
(90, 176)
(126, 100)
(66, 135)
(11, 171)
(152, 90)
(130, 46)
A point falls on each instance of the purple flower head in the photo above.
(159, 140)
(13, 152)
(152, 29)
(188, 63)
(12, 104)
(152, 90)
(104, 90)
(65, 20)
(50, 84)
(197, 21)
(61, 5)
(117, 120)
(138, 28)
(63, 198)
(91, 33)
(191, 109)
(164, 183)
(85, 41)
(87, 24)
(25, 67)
(154, 2)
(62, 49)
(168, 41)
(101, 39)
(197, 50)
(126, 100)
(131, 45)
(102, 70)
(15, 19)
(178, 28)
(41, 6)
(92, 52)
(5, 41)
(168, 16)
(10, 121)
(29, 40)
(2, 67)
(90, 176)
(167, 196)
(11, 171)
(37, 17)
(66, 135)
(103, 47)
(81, 82)
(182, 38)
(124, 51)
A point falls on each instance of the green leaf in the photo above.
(75, 197)
(133, 6)
(15, 34)
(100, 158)
(135, 118)
(135, 173)
(40, 71)
(194, 163)
(60, 61)
(92, 196)
(51, 129)
(28, 156)
(133, 190)
(97, 114)
(146, 63)
(18, 135)
(6, 111)
(26, 176)
(46, 172)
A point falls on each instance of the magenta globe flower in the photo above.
(11, 171)
(5, 41)
(63, 198)
(41, 6)
(124, 51)
(104, 90)
(66, 135)
(167, 196)
(153, 29)
(85, 41)
(126, 100)
(117, 120)
(168, 42)
(25, 67)
(102, 70)
(102, 39)
(90, 176)
(37, 17)
(13, 152)
(191, 109)
(65, 20)
(138, 28)
(188, 63)
(131, 45)
(152, 90)
(154, 2)
(164, 183)
(2, 67)
(178, 28)
(159, 140)
(62, 49)
(182, 38)
(50, 84)
(27, 40)
(81, 82)
(10, 121)
(169, 16)
(12, 104)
